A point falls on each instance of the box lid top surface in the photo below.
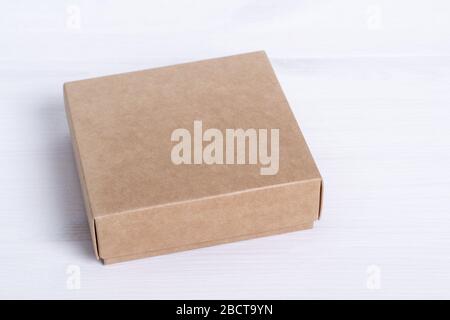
(122, 126)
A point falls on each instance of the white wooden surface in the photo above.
(368, 82)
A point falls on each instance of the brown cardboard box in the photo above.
(141, 201)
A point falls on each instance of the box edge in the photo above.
(81, 176)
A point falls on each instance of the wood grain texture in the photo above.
(372, 99)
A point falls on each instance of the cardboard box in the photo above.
(164, 167)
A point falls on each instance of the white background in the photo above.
(369, 83)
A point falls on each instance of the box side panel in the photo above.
(206, 244)
(208, 221)
(91, 220)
